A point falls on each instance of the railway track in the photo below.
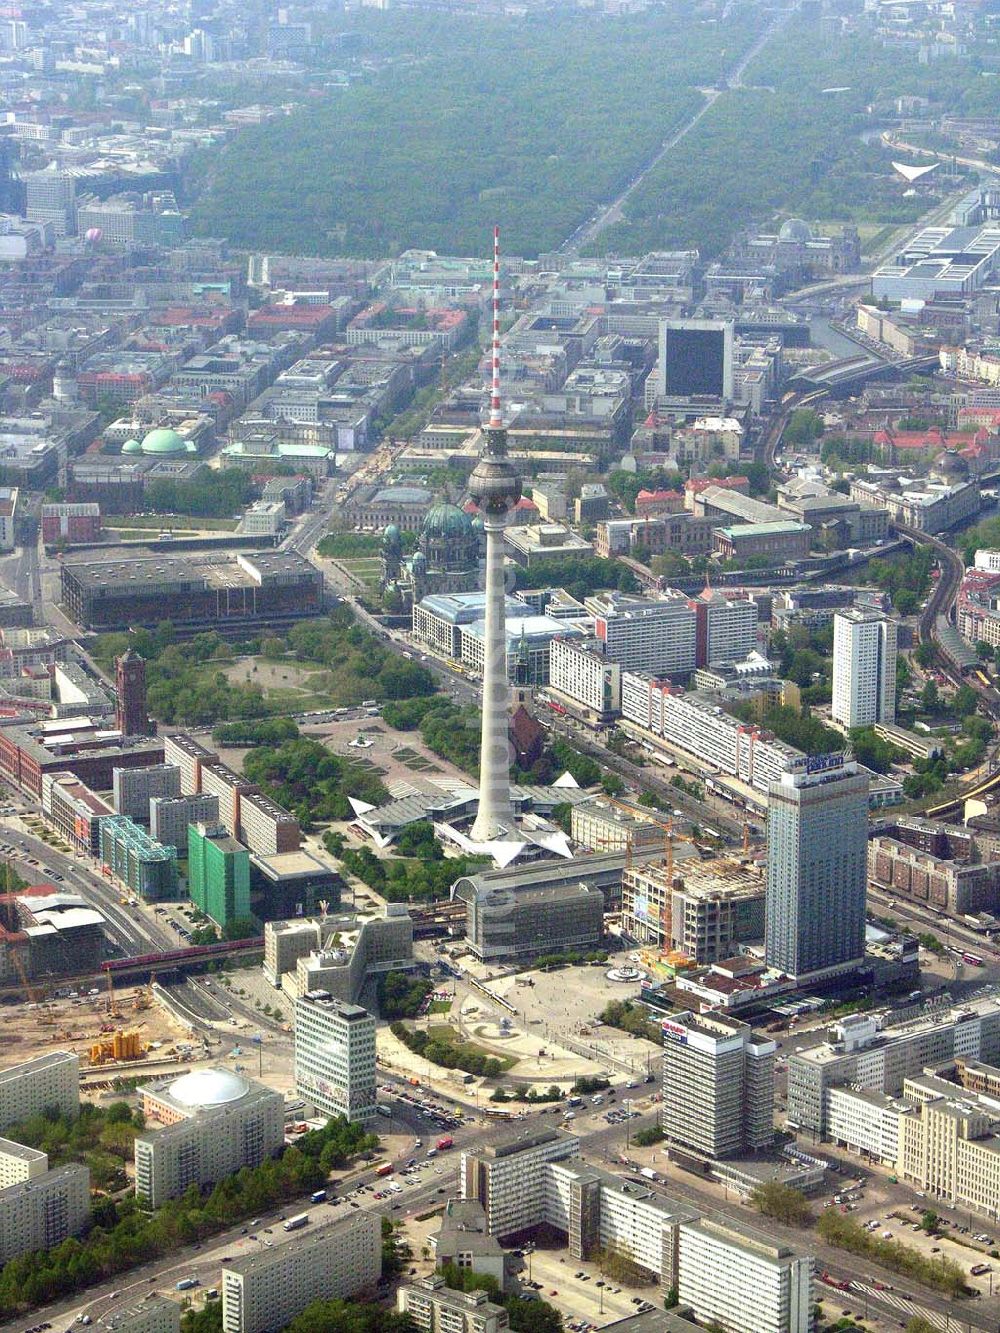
(939, 610)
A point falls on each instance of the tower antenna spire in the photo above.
(496, 416)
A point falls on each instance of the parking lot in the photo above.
(874, 1202)
(582, 1302)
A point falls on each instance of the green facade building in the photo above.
(145, 865)
(218, 874)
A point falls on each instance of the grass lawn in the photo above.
(367, 569)
(286, 685)
(411, 759)
(164, 522)
(444, 1032)
(440, 1007)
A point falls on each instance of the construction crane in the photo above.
(34, 994)
(665, 912)
(112, 1003)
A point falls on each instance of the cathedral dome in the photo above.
(446, 520)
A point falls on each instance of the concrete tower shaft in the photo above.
(496, 489)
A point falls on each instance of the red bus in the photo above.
(972, 959)
(384, 1170)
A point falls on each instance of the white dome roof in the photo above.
(208, 1087)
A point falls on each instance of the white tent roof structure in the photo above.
(912, 174)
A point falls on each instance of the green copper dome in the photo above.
(447, 520)
(163, 441)
(131, 447)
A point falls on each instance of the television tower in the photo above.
(496, 488)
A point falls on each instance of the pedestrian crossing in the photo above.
(901, 1303)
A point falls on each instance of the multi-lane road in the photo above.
(614, 211)
(205, 1261)
(600, 1144)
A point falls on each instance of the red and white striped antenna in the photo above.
(496, 419)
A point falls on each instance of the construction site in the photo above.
(111, 1031)
(683, 902)
(693, 913)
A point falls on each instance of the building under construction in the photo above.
(703, 910)
(44, 933)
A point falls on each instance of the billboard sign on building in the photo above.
(822, 763)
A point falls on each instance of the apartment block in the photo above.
(646, 635)
(946, 868)
(696, 725)
(580, 673)
(266, 1290)
(508, 1179)
(437, 1308)
(169, 817)
(536, 1178)
(41, 1212)
(155, 1314)
(335, 1056)
(872, 1053)
(726, 628)
(743, 1281)
(133, 788)
(202, 1127)
(229, 786)
(864, 668)
(189, 756)
(28, 1088)
(19, 1163)
(266, 827)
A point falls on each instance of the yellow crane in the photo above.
(665, 912)
(34, 994)
(112, 1003)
